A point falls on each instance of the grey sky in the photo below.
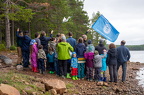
(127, 16)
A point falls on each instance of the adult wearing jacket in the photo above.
(123, 57)
(112, 62)
(25, 49)
(63, 49)
(100, 47)
(44, 40)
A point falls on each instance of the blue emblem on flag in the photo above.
(104, 28)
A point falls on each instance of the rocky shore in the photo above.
(84, 87)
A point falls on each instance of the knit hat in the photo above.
(89, 41)
(96, 52)
(73, 53)
(32, 42)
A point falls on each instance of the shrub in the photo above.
(2, 47)
(12, 48)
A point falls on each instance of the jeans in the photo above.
(56, 66)
(124, 68)
(41, 64)
(25, 55)
(113, 73)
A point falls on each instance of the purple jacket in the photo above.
(89, 56)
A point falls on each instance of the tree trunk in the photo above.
(8, 38)
(12, 33)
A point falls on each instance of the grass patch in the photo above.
(69, 85)
(22, 82)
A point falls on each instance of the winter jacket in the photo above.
(50, 57)
(123, 54)
(74, 62)
(71, 41)
(112, 57)
(100, 48)
(26, 43)
(44, 41)
(89, 56)
(104, 66)
(63, 49)
(80, 49)
(19, 40)
(41, 54)
(98, 60)
(90, 48)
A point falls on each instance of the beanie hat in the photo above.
(96, 52)
(63, 38)
(73, 53)
(89, 41)
(32, 42)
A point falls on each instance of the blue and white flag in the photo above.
(104, 28)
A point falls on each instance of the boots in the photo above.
(68, 75)
(73, 78)
(76, 77)
(35, 69)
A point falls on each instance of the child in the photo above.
(74, 65)
(33, 53)
(41, 58)
(89, 55)
(97, 66)
(50, 59)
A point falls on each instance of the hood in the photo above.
(41, 50)
(113, 52)
(63, 43)
(80, 44)
(101, 45)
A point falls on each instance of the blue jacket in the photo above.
(123, 54)
(71, 41)
(50, 57)
(26, 43)
(74, 62)
(19, 39)
(80, 49)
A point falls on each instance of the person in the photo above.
(100, 47)
(89, 56)
(37, 36)
(63, 49)
(50, 58)
(44, 40)
(97, 66)
(25, 49)
(74, 66)
(33, 55)
(41, 59)
(84, 39)
(112, 62)
(123, 58)
(19, 35)
(80, 50)
(72, 42)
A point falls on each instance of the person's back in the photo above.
(71, 40)
(100, 47)
(80, 49)
(26, 42)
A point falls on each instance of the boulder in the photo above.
(8, 90)
(19, 67)
(6, 60)
(55, 86)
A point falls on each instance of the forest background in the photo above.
(61, 16)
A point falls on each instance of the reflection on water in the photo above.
(137, 56)
(140, 77)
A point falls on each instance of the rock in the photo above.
(19, 67)
(6, 60)
(100, 83)
(8, 90)
(55, 86)
(1, 61)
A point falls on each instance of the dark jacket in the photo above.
(80, 49)
(100, 48)
(123, 54)
(19, 40)
(26, 43)
(44, 41)
(112, 57)
(71, 41)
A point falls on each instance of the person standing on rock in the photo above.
(123, 58)
(112, 62)
(19, 35)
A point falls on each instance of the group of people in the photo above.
(71, 58)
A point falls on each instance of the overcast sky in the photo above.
(127, 16)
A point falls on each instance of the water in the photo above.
(140, 77)
(137, 56)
